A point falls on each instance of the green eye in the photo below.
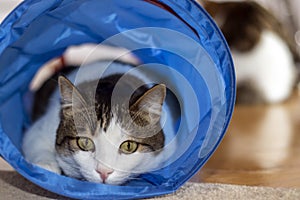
(129, 147)
(85, 144)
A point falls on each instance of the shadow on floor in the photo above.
(14, 186)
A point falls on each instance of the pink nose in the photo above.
(104, 172)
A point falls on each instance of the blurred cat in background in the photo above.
(264, 54)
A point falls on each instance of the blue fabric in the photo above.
(37, 31)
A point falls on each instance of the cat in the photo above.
(87, 135)
(263, 53)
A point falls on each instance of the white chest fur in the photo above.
(269, 68)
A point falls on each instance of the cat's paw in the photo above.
(53, 167)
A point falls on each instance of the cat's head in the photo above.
(106, 143)
(240, 22)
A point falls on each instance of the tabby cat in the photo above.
(264, 54)
(98, 131)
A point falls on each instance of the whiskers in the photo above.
(134, 178)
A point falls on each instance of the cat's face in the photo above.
(108, 144)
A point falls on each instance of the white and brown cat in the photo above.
(264, 54)
(86, 135)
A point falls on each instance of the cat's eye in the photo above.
(129, 147)
(85, 144)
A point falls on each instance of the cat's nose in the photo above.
(104, 172)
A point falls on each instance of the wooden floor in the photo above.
(261, 148)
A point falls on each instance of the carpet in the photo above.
(14, 186)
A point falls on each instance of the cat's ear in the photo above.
(70, 96)
(147, 109)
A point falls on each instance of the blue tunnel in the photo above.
(175, 39)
